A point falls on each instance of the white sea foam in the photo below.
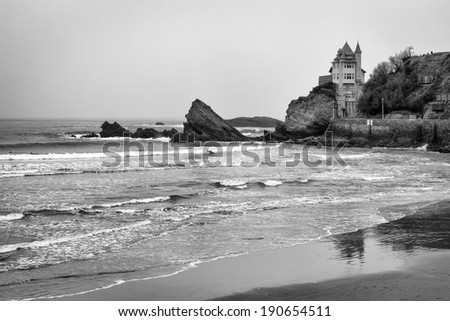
(132, 153)
(139, 201)
(377, 178)
(162, 139)
(49, 242)
(76, 136)
(51, 156)
(423, 147)
(11, 217)
(272, 183)
(127, 211)
(6, 175)
(188, 266)
(232, 183)
(355, 156)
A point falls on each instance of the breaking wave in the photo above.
(138, 201)
(11, 217)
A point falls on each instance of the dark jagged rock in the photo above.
(146, 133)
(269, 136)
(116, 130)
(169, 133)
(257, 121)
(445, 149)
(113, 130)
(203, 124)
(91, 135)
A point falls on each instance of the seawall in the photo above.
(392, 132)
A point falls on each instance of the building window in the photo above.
(349, 76)
(348, 65)
(349, 96)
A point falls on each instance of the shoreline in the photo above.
(400, 260)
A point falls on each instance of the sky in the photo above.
(149, 59)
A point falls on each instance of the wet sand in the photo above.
(406, 259)
(426, 277)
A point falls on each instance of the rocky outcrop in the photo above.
(90, 135)
(257, 121)
(146, 133)
(116, 130)
(203, 124)
(153, 133)
(113, 130)
(169, 133)
(310, 116)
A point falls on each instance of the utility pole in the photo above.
(382, 108)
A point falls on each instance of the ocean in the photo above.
(78, 214)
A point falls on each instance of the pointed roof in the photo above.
(358, 49)
(347, 50)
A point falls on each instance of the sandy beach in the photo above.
(406, 259)
(425, 277)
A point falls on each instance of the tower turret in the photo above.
(358, 71)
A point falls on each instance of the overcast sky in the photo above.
(151, 58)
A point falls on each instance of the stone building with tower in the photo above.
(347, 74)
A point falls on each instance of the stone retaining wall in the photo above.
(392, 132)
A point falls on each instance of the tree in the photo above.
(397, 61)
(390, 82)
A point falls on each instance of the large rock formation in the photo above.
(146, 133)
(113, 130)
(310, 116)
(203, 124)
(116, 130)
(169, 133)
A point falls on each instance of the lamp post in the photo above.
(382, 108)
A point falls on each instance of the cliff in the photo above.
(203, 124)
(310, 116)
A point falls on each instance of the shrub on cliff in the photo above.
(327, 88)
(394, 80)
(407, 82)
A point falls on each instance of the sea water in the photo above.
(74, 218)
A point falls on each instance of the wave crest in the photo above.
(272, 183)
(232, 183)
(11, 217)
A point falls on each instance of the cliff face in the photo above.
(205, 125)
(310, 116)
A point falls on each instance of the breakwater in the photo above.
(392, 132)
